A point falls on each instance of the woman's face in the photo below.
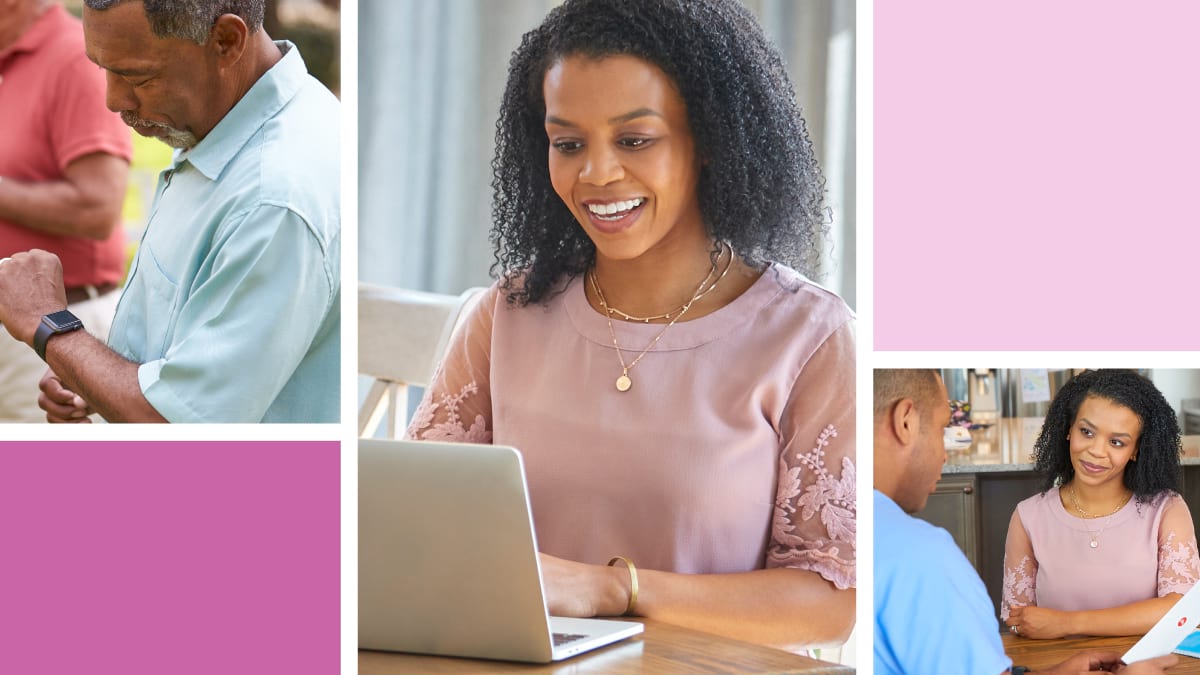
(622, 157)
(1102, 440)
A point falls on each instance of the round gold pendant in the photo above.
(624, 383)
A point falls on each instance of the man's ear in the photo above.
(228, 37)
(906, 422)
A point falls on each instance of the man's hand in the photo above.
(61, 404)
(1108, 661)
(31, 286)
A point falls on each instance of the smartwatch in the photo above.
(51, 325)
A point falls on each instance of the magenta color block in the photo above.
(1035, 175)
(169, 557)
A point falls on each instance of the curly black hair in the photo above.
(760, 188)
(1158, 447)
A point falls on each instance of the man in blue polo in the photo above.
(932, 612)
(232, 306)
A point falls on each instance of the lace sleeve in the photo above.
(1020, 569)
(815, 509)
(457, 406)
(1178, 563)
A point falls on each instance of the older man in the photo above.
(231, 309)
(932, 613)
(64, 161)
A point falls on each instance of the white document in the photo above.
(1170, 630)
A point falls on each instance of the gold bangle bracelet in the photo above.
(633, 582)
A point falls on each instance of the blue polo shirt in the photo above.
(233, 301)
(932, 612)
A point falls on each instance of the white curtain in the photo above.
(431, 76)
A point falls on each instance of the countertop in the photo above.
(1007, 446)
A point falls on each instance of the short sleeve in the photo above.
(1178, 563)
(270, 288)
(1020, 569)
(457, 406)
(815, 510)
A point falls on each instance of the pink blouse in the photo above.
(1143, 551)
(733, 450)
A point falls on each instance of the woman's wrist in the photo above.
(615, 591)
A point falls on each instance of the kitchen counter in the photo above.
(1008, 445)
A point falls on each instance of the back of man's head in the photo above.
(895, 384)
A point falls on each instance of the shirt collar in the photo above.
(37, 34)
(266, 98)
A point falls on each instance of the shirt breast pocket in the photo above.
(145, 319)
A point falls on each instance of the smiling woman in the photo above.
(1109, 545)
(683, 398)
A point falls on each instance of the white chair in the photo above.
(402, 335)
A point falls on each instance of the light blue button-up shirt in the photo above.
(233, 302)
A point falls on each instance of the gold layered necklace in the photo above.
(1095, 535)
(624, 383)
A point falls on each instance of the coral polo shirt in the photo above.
(52, 107)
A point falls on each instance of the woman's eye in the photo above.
(633, 142)
(1118, 444)
(1086, 432)
(567, 147)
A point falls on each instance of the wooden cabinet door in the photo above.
(954, 506)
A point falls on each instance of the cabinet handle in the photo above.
(968, 490)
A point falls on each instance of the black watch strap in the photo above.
(1020, 670)
(53, 324)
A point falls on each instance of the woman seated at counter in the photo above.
(1108, 547)
(651, 158)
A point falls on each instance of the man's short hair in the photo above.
(920, 385)
(191, 19)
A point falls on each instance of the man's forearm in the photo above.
(108, 382)
(86, 202)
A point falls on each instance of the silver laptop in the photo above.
(447, 559)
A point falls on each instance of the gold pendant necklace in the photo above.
(1094, 535)
(624, 382)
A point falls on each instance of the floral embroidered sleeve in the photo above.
(815, 508)
(1178, 562)
(1020, 569)
(457, 406)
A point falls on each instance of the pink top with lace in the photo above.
(1143, 551)
(733, 451)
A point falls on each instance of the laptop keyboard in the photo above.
(561, 639)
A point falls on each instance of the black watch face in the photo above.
(62, 320)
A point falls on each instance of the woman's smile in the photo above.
(612, 217)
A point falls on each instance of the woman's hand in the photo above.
(1039, 623)
(582, 590)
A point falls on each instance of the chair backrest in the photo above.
(402, 335)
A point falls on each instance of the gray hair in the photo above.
(190, 19)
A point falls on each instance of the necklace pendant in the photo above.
(1094, 543)
(624, 383)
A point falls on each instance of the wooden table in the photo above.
(662, 648)
(1038, 654)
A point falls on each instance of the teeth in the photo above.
(615, 207)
